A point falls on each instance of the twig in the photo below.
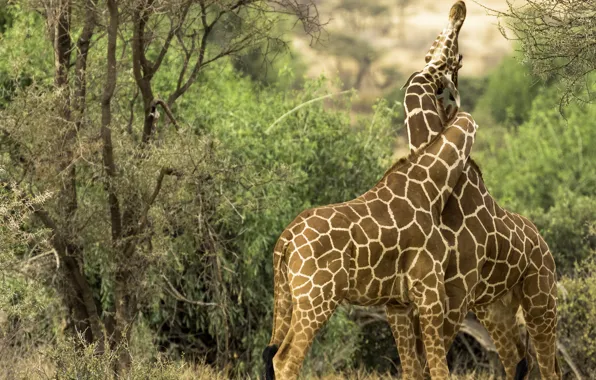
(50, 252)
(301, 106)
(176, 294)
(154, 104)
(576, 371)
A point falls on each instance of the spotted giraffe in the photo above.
(382, 248)
(497, 259)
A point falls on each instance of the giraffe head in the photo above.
(444, 52)
(443, 60)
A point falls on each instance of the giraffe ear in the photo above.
(448, 83)
(410, 79)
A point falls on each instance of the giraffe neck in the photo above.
(437, 166)
(423, 121)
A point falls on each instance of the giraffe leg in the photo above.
(307, 319)
(282, 316)
(403, 325)
(499, 320)
(429, 298)
(282, 313)
(455, 312)
(539, 303)
(317, 289)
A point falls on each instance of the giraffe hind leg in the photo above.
(501, 324)
(282, 314)
(307, 319)
(317, 289)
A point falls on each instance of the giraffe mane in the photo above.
(476, 167)
(411, 156)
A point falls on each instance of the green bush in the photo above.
(315, 155)
(509, 93)
(577, 316)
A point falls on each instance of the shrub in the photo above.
(577, 315)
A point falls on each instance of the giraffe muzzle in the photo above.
(457, 15)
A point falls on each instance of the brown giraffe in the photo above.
(382, 248)
(497, 259)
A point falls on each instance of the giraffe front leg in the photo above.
(403, 325)
(429, 296)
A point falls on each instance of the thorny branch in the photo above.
(557, 39)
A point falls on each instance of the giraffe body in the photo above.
(382, 248)
(497, 260)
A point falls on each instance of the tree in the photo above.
(557, 38)
(362, 23)
(80, 139)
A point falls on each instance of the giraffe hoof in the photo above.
(521, 370)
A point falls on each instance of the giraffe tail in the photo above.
(268, 354)
(282, 307)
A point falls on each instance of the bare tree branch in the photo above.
(106, 119)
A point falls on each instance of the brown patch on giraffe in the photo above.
(476, 227)
(413, 101)
(389, 237)
(449, 236)
(319, 224)
(385, 194)
(426, 161)
(300, 241)
(371, 228)
(415, 89)
(322, 277)
(425, 221)
(363, 257)
(484, 217)
(416, 195)
(376, 252)
(404, 213)
(299, 281)
(436, 168)
(347, 212)
(340, 239)
(414, 238)
(359, 235)
(431, 190)
(310, 233)
(382, 212)
(360, 209)
(513, 276)
(466, 241)
(325, 240)
(374, 287)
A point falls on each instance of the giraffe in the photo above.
(497, 260)
(382, 248)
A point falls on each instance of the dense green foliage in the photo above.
(577, 316)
